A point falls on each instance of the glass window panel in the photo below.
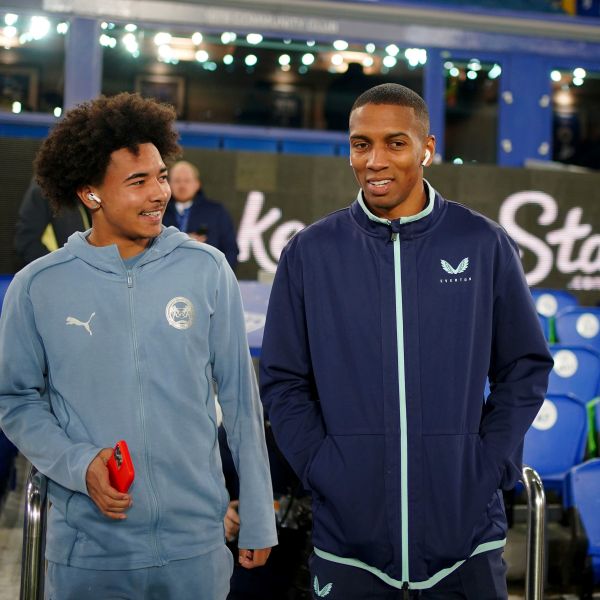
(237, 79)
(576, 123)
(32, 56)
(471, 123)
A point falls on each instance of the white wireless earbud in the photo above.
(94, 198)
(427, 157)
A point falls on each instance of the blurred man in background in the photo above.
(193, 213)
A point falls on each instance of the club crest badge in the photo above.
(180, 313)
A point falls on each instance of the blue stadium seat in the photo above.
(579, 325)
(576, 371)
(583, 486)
(4, 282)
(7, 450)
(545, 323)
(550, 302)
(556, 440)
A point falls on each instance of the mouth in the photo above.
(379, 186)
(153, 217)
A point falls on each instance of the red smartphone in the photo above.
(120, 467)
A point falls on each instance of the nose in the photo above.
(377, 159)
(161, 191)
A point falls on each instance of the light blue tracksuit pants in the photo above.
(204, 577)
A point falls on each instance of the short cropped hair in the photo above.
(192, 166)
(77, 151)
(400, 95)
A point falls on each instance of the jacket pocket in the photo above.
(347, 477)
(459, 485)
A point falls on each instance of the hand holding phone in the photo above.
(120, 467)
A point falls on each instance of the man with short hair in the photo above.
(118, 336)
(384, 322)
(193, 213)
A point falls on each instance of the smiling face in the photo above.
(134, 194)
(388, 145)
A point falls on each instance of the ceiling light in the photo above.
(389, 61)
(39, 27)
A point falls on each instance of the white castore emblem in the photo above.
(180, 313)
(84, 324)
(462, 267)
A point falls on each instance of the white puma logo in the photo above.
(85, 325)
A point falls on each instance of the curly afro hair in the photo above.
(78, 149)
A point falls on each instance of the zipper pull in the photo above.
(394, 236)
(405, 592)
(129, 280)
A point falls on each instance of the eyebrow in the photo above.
(142, 174)
(359, 136)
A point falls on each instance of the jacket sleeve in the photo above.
(242, 413)
(519, 368)
(34, 216)
(287, 382)
(227, 239)
(25, 412)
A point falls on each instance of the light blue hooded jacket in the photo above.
(91, 353)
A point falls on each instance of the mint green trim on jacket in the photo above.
(402, 220)
(413, 585)
(401, 374)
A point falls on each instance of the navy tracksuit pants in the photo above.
(482, 577)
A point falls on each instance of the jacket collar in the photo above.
(412, 226)
(108, 259)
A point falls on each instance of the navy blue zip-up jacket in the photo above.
(212, 218)
(379, 338)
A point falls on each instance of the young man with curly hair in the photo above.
(384, 322)
(119, 335)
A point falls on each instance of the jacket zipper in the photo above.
(152, 493)
(402, 394)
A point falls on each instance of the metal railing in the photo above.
(34, 536)
(536, 530)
